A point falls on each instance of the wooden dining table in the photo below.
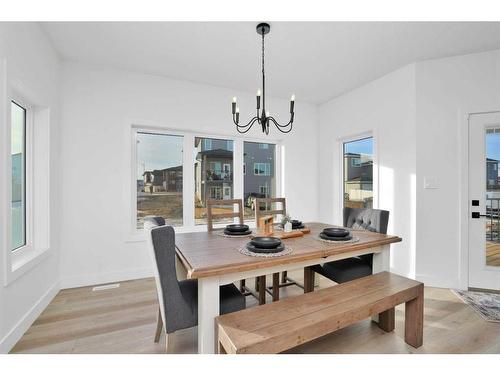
(214, 260)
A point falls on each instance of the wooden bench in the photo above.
(285, 324)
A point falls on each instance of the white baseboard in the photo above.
(437, 282)
(76, 281)
(15, 334)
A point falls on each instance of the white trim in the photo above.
(37, 199)
(131, 234)
(14, 335)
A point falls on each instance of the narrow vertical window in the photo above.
(262, 182)
(159, 177)
(18, 158)
(213, 175)
(358, 173)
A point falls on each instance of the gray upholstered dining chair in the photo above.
(178, 300)
(349, 269)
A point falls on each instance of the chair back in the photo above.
(370, 219)
(161, 246)
(223, 202)
(259, 212)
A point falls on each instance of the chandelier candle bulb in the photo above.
(292, 103)
(267, 113)
(258, 99)
(233, 105)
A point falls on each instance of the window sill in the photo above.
(22, 261)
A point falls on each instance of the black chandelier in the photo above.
(262, 118)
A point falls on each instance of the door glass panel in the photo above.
(358, 173)
(492, 197)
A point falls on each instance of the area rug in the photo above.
(485, 304)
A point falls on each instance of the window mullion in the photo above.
(188, 182)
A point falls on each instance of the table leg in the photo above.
(381, 262)
(208, 309)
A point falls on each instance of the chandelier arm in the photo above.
(278, 126)
(250, 123)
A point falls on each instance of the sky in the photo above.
(362, 146)
(158, 151)
(493, 146)
(17, 129)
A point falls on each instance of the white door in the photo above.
(484, 201)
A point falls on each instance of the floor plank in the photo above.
(123, 320)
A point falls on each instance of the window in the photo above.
(261, 183)
(207, 144)
(213, 177)
(159, 177)
(262, 169)
(18, 158)
(358, 173)
(355, 162)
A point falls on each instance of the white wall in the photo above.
(386, 109)
(33, 68)
(98, 104)
(447, 90)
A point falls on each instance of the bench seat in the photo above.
(282, 325)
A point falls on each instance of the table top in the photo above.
(207, 254)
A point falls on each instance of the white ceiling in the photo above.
(315, 60)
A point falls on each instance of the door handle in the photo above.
(477, 215)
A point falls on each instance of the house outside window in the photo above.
(159, 177)
(358, 173)
(262, 169)
(207, 144)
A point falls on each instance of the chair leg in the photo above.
(242, 286)
(276, 286)
(414, 320)
(159, 326)
(167, 339)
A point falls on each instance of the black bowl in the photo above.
(297, 223)
(229, 233)
(237, 228)
(339, 239)
(255, 249)
(266, 242)
(336, 232)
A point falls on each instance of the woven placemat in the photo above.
(245, 251)
(353, 239)
(222, 234)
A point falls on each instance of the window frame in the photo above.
(267, 171)
(132, 234)
(339, 207)
(28, 189)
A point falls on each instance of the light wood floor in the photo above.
(123, 320)
(493, 254)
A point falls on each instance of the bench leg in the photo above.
(414, 320)
(261, 282)
(242, 286)
(276, 286)
(386, 320)
(308, 280)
